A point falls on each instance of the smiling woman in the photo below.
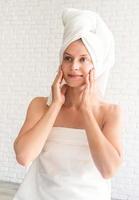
(73, 142)
(76, 64)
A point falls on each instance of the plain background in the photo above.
(30, 38)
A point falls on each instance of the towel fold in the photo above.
(96, 36)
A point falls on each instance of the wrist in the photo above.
(56, 104)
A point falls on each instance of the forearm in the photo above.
(30, 144)
(103, 152)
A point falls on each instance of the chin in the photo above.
(75, 85)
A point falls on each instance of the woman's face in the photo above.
(76, 61)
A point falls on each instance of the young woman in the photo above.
(74, 143)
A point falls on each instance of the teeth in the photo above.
(75, 75)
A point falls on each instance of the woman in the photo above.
(74, 143)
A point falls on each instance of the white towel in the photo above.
(96, 36)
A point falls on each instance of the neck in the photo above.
(73, 97)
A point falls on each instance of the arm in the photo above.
(105, 146)
(35, 130)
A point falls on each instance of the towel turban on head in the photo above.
(96, 36)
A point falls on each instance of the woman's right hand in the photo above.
(58, 93)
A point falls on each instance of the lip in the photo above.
(75, 76)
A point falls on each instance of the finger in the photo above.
(64, 88)
(87, 80)
(91, 77)
(58, 77)
(57, 71)
(94, 75)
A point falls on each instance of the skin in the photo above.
(76, 94)
(73, 63)
(101, 120)
(76, 105)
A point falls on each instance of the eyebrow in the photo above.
(80, 55)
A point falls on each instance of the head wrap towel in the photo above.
(96, 36)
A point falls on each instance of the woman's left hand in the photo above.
(86, 102)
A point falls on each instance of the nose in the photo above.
(75, 65)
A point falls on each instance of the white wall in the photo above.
(30, 38)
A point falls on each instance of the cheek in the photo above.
(64, 68)
(87, 70)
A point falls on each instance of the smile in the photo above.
(75, 76)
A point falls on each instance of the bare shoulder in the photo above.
(111, 107)
(37, 106)
(39, 101)
(112, 111)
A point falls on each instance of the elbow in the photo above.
(108, 174)
(23, 161)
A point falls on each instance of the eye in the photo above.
(83, 59)
(67, 58)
